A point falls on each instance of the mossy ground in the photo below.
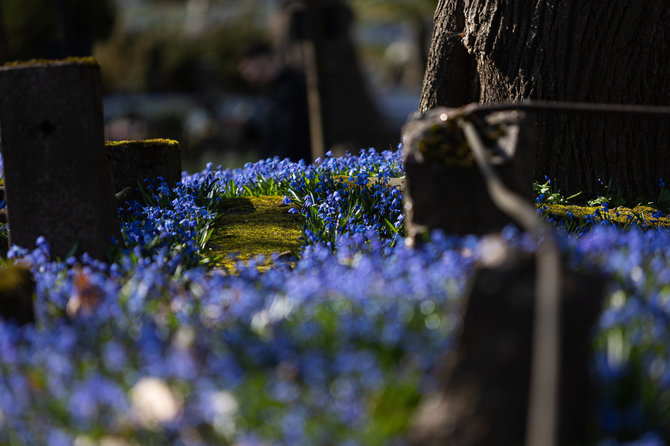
(644, 216)
(253, 226)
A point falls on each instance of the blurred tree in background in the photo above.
(167, 56)
(53, 28)
(416, 13)
(185, 54)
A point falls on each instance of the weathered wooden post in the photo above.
(445, 189)
(484, 394)
(57, 182)
(526, 320)
(135, 161)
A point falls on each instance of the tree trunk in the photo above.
(491, 51)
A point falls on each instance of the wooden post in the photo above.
(57, 182)
(445, 189)
(516, 344)
(483, 399)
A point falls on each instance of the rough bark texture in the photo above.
(491, 51)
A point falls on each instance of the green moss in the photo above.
(250, 227)
(642, 215)
(142, 143)
(445, 144)
(66, 61)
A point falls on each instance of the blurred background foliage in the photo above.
(170, 67)
(53, 28)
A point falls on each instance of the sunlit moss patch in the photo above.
(644, 216)
(253, 226)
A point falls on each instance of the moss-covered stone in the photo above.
(446, 145)
(444, 187)
(253, 226)
(132, 162)
(143, 143)
(16, 293)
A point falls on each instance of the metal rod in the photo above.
(313, 53)
(542, 418)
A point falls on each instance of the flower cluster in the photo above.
(333, 207)
(290, 356)
(336, 348)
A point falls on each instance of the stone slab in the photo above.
(135, 161)
(56, 177)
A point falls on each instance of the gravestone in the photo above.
(16, 294)
(132, 162)
(57, 183)
(444, 188)
(484, 389)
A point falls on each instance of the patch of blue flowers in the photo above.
(338, 348)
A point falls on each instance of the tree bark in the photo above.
(492, 51)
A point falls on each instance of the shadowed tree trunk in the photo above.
(491, 51)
